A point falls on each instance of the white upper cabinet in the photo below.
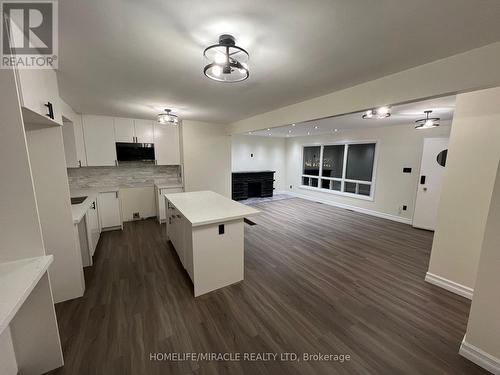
(166, 139)
(124, 129)
(99, 136)
(144, 131)
(74, 147)
(39, 93)
(136, 131)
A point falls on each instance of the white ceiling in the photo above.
(133, 58)
(442, 108)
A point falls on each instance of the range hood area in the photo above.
(128, 151)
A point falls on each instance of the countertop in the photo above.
(79, 210)
(169, 184)
(17, 281)
(208, 207)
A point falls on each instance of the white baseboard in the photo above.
(480, 357)
(382, 215)
(449, 285)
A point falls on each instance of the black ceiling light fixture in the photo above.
(226, 62)
(379, 113)
(168, 117)
(427, 122)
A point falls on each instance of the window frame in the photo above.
(342, 180)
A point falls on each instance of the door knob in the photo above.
(425, 189)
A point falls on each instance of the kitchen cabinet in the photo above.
(134, 131)
(144, 131)
(160, 200)
(99, 136)
(124, 129)
(39, 94)
(74, 146)
(178, 231)
(93, 227)
(166, 139)
(109, 210)
(207, 232)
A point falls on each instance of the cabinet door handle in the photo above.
(80, 163)
(116, 194)
(51, 110)
(116, 162)
(93, 205)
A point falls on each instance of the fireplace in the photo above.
(252, 184)
(255, 189)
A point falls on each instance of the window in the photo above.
(341, 168)
(311, 160)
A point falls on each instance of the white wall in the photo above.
(268, 154)
(138, 199)
(471, 70)
(397, 147)
(483, 329)
(206, 150)
(474, 153)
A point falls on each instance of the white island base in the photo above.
(207, 232)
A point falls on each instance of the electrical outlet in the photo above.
(251, 155)
(136, 215)
(290, 187)
(405, 207)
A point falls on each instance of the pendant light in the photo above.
(168, 118)
(427, 122)
(225, 61)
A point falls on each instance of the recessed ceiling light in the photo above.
(289, 131)
(316, 127)
(250, 133)
(293, 124)
(335, 130)
(268, 129)
(308, 133)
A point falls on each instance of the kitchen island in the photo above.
(207, 232)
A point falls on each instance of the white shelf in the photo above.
(17, 281)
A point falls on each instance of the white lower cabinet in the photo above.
(110, 211)
(93, 227)
(160, 200)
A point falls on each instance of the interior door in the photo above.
(434, 157)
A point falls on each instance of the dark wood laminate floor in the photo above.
(317, 279)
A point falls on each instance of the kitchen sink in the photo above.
(77, 200)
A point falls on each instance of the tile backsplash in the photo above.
(129, 174)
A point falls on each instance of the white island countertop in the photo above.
(17, 281)
(208, 207)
